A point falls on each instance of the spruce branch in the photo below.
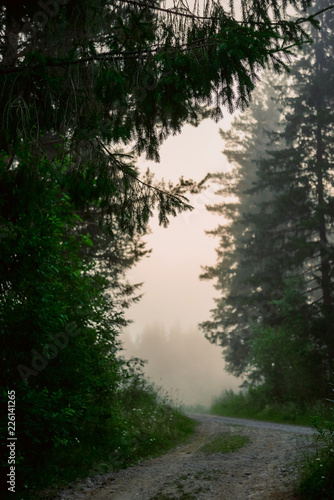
(177, 198)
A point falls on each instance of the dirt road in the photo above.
(264, 469)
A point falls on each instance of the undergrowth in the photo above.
(145, 423)
(316, 468)
(317, 477)
(254, 403)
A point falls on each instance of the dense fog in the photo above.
(183, 362)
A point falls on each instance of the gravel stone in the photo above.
(264, 469)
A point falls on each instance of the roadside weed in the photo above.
(317, 477)
(224, 443)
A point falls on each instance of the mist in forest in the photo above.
(183, 362)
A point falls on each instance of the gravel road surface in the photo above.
(264, 469)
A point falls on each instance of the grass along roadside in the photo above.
(317, 474)
(316, 468)
(253, 404)
(224, 442)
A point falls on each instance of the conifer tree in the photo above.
(274, 262)
(241, 301)
(301, 176)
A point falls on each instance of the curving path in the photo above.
(264, 469)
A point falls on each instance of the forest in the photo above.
(275, 256)
(87, 87)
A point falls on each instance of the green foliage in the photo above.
(135, 65)
(317, 473)
(141, 423)
(284, 355)
(58, 326)
(76, 398)
(256, 402)
(153, 424)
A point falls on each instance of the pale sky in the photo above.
(174, 297)
(173, 292)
